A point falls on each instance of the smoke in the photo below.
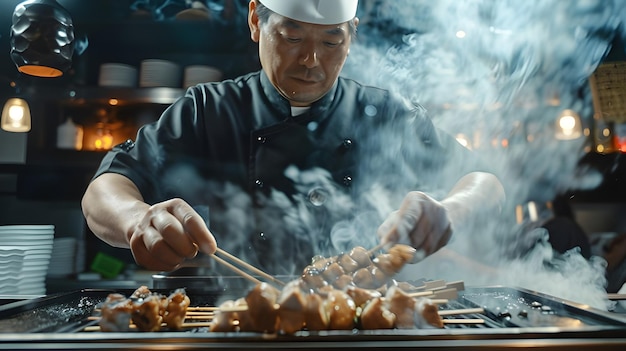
(499, 73)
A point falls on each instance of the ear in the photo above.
(253, 22)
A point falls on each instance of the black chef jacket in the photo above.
(276, 186)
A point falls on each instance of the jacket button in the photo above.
(261, 139)
(127, 145)
(318, 196)
(347, 144)
(347, 180)
(258, 183)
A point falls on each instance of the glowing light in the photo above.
(113, 102)
(460, 34)
(16, 116)
(568, 126)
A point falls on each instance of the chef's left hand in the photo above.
(421, 222)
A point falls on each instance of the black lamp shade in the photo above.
(42, 38)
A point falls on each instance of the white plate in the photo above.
(28, 226)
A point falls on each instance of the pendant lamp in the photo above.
(16, 115)
(42, 38)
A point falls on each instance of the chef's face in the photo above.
(302, 60)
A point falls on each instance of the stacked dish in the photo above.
(117, 75)
(159, 73)
(62, 262)
(197, 74)
(25, 252)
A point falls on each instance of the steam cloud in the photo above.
(518, 66)
(494, 71)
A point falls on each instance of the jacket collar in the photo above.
(282, 108)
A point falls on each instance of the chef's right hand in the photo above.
(169, 233)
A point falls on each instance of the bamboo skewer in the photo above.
(96, 328)
(464, 321)
(422, 293)
(373, 250)
(461, 311)
(249, 266)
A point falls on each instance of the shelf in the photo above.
(77, 96)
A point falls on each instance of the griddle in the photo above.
(514, 318)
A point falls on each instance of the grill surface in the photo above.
(513, 318)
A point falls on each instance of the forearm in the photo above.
(112, 205)
(474, 194)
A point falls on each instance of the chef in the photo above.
(288, 162)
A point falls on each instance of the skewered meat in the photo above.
(116, 311)
(356, 268)
(332, 272)
(342, 282)
(321, 262)
(387, 264)
(411, 313)
(147, 313)
(292, 303)
(403, 306)
(376, 315)
(361, 296)
(225, 319)
(370, 277)
(405, 252)
(261, 302)
(242, 315)
(315, 313)
(176, 309)
(361, 256)
(348, 264)
(312, 278)
(337, 293)
(141, 293)
(427, 314)
(341, 310)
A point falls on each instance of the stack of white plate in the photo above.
(197, 74)
(35, 244)
(63, 260)
(159, 73)
(117, 75)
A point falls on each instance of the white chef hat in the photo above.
(314, 11)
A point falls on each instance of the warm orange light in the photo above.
(113, 102)
(40, 71)
(104, 140)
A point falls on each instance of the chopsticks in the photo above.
(244, 264)
(616, 296)
(235, 269)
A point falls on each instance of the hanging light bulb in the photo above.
(42, 38)
(568, 126)
(16, 115)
